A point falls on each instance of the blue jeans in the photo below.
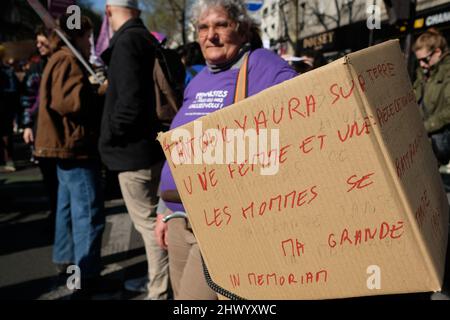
(440, 141)
(80, 219)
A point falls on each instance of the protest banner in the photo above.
(354, 206)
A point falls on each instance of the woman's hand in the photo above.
(102, 88)
(28, 136)
(161, 230)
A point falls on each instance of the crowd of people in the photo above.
(76, 125)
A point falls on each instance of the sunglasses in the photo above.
(427, 58)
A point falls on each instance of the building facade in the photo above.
(340, 26)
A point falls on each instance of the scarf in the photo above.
(234, 62)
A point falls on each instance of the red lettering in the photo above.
(359, 183)
(217, 221)
(395, 229)
(231, 170)
(260, 120)
(225, 211)
(241, 167)
(301, 198)
(335, 94)
(280, 118)
(315, 194)
(224, 133)
(292, 246)
(344, 237)
(242, 126)
(235, 280)
(279, 202)
(384, 227)
(294, 103)
(262, 208)
(305, 143)
(310, 105)
(291, 279)
(355, 130)
(331, 241)
(391, 69)
(321, 272)
(212, 178)
(293, 193)
(321, 137)
(204, 179)
(260, 279)
(308, 140)
(250, 207)
(283, 152)
(362, 83)
(272, 275)
(189, 190)
(368, 235)
(349, 93)
(358, 237)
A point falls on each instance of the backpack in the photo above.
(169, 74)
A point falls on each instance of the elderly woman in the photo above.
(227, 35)
(432, 88)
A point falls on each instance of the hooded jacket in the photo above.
(433, 95)
(69, 110)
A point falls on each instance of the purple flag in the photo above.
(103, 37)
(58, 7)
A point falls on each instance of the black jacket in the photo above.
(129, 121)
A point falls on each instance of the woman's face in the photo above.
(83, 44)
(428, 58)
(218, 36)
(43, 45)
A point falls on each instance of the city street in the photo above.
(26, 237)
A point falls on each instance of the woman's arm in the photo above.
(171, 196)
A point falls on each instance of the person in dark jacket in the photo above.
(30, 106)
(9, 103)
(129, 127)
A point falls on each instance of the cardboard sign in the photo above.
(355, 206)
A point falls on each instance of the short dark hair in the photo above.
(56, 42)
(41, 30)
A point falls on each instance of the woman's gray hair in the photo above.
(237, 12)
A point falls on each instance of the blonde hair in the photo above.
(431, 39)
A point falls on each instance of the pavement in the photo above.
(26, 239)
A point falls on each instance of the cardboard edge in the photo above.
(395, 182)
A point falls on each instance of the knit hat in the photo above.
(133, 4)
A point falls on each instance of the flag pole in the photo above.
(51, 24)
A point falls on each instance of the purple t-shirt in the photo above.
(265, 69)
